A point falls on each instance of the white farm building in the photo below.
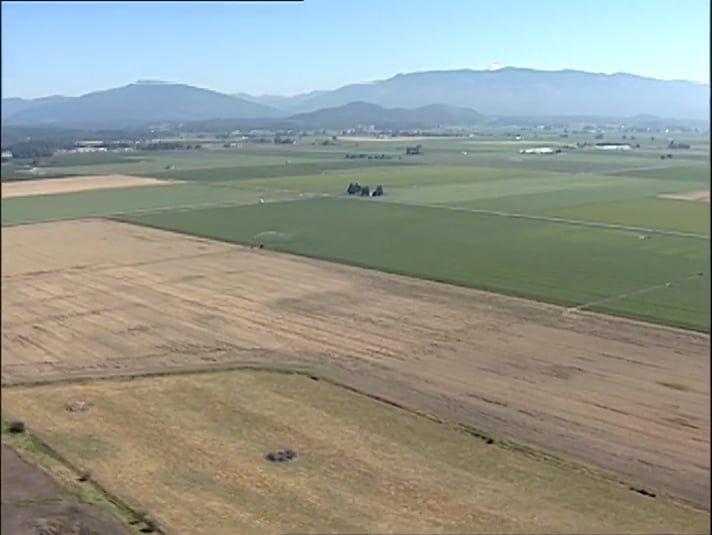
(612, 146)
(538, 150)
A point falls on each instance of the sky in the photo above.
(72, 48)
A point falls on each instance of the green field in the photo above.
(656, 213)
(582, 229)
(113, 202)
(554, 262)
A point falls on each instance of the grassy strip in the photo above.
(32, 447)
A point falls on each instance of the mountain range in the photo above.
(424, 98)
(138, 103)
(518, 92)
(365, 114)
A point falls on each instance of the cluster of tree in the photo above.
(35, 149)
(663, 156)
(353, 156)
(163, 145)
(364, 191)
(414, 150)
(122, 145)
(279, 140)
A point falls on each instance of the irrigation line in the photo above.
(574, 222)
(637, 291)
(159, 209)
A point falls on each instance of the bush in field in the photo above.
(353, 188)
(16, 426)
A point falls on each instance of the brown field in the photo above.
(625, 396)
(191, 449)
(55, 186)
(699, 195)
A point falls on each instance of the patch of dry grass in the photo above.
(56, 186)
(191, 448)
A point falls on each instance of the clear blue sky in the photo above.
(291, 47)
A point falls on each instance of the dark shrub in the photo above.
(281, 456)
(16, 426)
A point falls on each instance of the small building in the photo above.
(90, 146)
(6, 155)
(90, 149)
(91, 143)
(539, 150)
(613, 146)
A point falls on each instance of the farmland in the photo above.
(565, 264)
(30, 188)
(356, 468)
(572, 328)
(137, 299)
(575, 236)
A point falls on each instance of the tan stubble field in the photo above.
(191, 450)
(57, 186)
(625, 396)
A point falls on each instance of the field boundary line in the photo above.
(621, 171)
(548, 219)
(623, 295)
(500, 213)
(502, 292)
(159, 209)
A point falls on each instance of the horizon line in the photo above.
(154, 81)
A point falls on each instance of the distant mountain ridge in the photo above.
(356, 114)
(353, 115)
(132, 104)
(501, 93)
(11, 106)
(520, 92)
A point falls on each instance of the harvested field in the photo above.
(32, 502)
(191, 449)
(56, 186)
(699, 195)
(629, 397)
